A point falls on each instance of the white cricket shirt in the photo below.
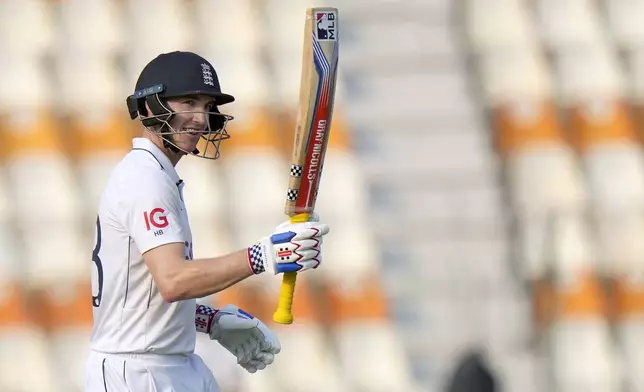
(141, 208)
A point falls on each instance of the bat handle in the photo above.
(284, 314)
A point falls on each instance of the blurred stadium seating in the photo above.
(484, 186)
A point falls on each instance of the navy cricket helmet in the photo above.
(173, 75)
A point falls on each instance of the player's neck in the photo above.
(174, 157)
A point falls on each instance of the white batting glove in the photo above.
(293, 247)
(246, 337)
(269, 347)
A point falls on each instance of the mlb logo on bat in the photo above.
(325, 26)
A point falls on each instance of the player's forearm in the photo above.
(203, 277)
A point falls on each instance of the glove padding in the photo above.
(246, 337)
(294, 247)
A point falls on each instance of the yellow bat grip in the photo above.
(283, 314)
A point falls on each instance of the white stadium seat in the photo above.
(624, 25)
(25, 345)
(516, 73)
(510, 27)
(55, 252)
(588, 71)
(544, 181)
(10, 266)
(27, 28)
(256, 180)
(566, 24)
(55, 174)
(285, 32)
(24, 87)
(72, 344)
(149, 34)
(234, 56)
(635, 69)
(343, 188)
(321, 372)
(583, 358)
(631, 336)
(204, 191)
(546, 178)
(108, 36)
(92, 86)
(372, 357)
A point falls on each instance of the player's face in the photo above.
(190, 120)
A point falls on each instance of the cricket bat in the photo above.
(317, 95)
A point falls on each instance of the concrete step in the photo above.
(442, 202)
(416, 95)
(398, 11)
(364, 128)
(433, 160)
(372, 47)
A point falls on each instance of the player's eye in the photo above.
(189, 102)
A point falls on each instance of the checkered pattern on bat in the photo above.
(296, 171)
(291, 195)
(255, 259)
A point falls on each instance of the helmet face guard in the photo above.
(158, 122)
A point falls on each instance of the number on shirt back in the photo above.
(96, 299)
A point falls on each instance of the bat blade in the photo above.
(317, 96)
(316, 100)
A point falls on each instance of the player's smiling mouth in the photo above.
(193, 131)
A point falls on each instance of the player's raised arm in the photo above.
(178, 279)
(293, 247)
(154, 222)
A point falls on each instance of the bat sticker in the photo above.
(325, 22)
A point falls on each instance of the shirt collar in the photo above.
(141, 143)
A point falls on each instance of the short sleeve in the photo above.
(150, 211)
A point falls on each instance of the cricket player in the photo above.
(145, 282)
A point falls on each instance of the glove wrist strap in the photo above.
(204, 318)
(256, 259)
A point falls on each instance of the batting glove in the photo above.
(246, 337)
(293, 247)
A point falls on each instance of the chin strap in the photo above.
(171, 145)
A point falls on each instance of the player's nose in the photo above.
(199, 119)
